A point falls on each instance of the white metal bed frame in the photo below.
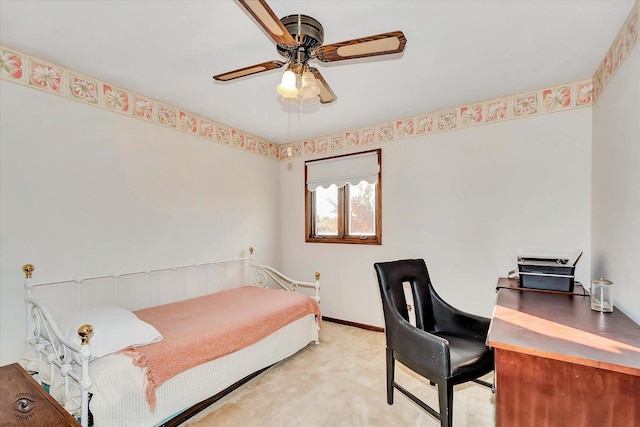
(59, 351)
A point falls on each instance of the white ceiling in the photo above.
(457, 52)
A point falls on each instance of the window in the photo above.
(343, 199)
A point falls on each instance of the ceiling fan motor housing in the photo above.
(307, 32)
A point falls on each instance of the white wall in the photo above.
(464, 200)
(85, 191)
(616, 185)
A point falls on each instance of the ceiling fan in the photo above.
(299, 39)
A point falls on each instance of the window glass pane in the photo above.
(326, 212)
(362, 209)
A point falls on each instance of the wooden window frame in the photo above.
(342, 237)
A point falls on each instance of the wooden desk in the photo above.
(23, 402)
(559, 363)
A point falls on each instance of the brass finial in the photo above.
(251, 250)
(28, 269)
(85, 332)
(317, 275)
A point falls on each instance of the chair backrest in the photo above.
(391, 278)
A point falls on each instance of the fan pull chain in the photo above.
(289, 119)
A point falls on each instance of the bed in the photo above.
(161, 363)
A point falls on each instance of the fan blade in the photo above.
(381, 44)
(247, 71)
(326, 94)
(262, 13)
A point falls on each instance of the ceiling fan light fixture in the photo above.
(287, 87)
(309, 89)
(310, 100)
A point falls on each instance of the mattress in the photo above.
(118, 386)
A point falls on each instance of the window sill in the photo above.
(349, 241)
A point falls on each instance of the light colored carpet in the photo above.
(341, 382)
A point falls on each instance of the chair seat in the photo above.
(469, 358)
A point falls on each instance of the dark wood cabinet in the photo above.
(559, 363)
(23, 402)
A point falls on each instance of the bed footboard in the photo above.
(53, 348)
(262, 274)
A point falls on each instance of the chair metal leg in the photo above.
(445, 397)
(484, 383)
(390, 375)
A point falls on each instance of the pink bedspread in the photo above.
(201, 329)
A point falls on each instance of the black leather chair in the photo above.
(447, 346)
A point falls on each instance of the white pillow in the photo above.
(114, 328)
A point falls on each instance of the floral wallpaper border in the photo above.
(625, 40)
(37, 73)
(40, 74)
(558, 98)
(47, 76)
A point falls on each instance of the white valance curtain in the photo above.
(342, 170)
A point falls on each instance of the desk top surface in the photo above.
(563, 327)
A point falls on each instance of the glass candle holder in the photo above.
(602, 295)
